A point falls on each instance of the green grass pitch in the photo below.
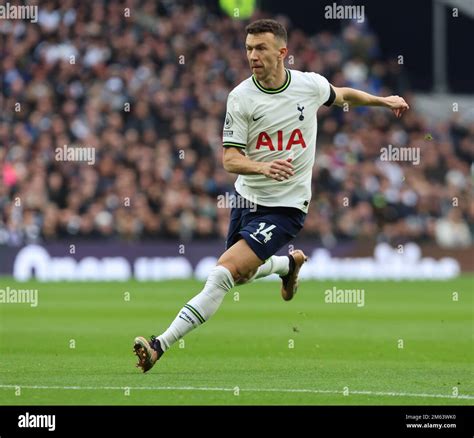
(75, 347)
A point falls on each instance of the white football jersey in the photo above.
(270, 124)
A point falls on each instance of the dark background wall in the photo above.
(404, 27)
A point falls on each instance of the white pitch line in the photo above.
(198, 388)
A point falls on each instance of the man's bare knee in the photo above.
(231, 268)
(239, 275)
(241, 262)
(245, 278)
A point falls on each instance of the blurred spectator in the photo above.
(452, 231)
(148, 92)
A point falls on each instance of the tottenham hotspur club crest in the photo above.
(300, 109)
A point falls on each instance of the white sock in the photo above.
(200, 308)
(274, 265)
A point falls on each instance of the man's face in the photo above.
(263, 54)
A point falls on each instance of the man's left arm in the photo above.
(353, 97)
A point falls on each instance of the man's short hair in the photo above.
(267, 25)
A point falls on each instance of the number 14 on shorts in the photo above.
(265, 232)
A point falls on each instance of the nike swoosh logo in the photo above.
(258, 118)
(254, 238)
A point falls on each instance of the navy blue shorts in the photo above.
(265, 229)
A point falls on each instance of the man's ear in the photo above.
(283, 52)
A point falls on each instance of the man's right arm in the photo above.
(235, 161)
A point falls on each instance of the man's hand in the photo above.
(397, 104)
(278, 169)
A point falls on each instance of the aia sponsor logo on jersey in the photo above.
(264, 140)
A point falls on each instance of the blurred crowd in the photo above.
(145, 84)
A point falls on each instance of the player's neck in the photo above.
(275, 81)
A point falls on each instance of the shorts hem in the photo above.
(256, 247)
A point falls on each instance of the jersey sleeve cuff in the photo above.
(233, 144)
(332, 97)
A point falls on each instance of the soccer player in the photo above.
(270, 142)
